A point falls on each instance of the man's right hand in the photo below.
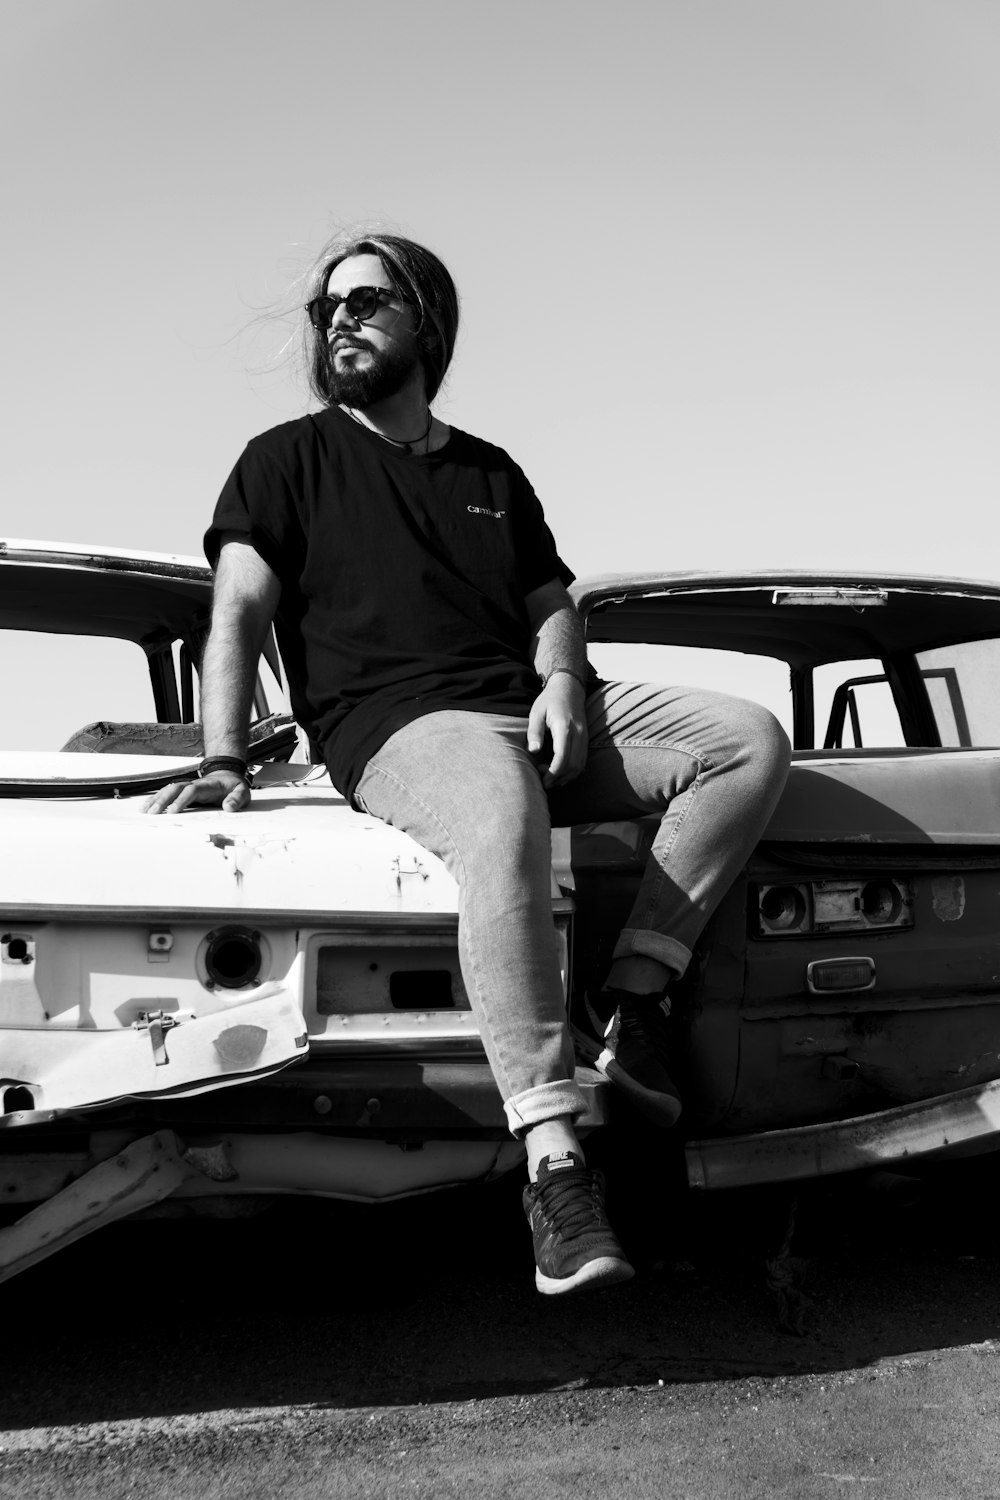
(221, 789)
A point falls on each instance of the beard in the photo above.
(385, 373)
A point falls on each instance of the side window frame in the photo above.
(910, 697)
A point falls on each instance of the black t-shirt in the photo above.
(403, 576)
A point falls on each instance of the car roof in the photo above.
(148, 597)
(154, 596)
(803, 617)
(89, 554)
(606, 585)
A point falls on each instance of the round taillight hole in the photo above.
(233, 958)
(782, 907)
(17, 1098)
(881, 901)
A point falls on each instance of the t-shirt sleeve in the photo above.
(257, 503)
(538, 562)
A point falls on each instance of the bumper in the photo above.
(430, 1126)
(395, 1096)
(969, 1118)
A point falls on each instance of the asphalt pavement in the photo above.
(840, 1339)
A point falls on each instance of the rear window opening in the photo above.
(854, 705)
(55, 684)
(763, 679)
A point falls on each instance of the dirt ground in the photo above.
(841, 1340)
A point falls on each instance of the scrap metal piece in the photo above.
(147, 1171)
(784, 1273)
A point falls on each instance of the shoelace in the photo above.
(571, 1200)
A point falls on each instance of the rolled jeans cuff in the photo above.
(546, 1101)
(666, 950)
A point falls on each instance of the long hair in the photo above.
(418, 276)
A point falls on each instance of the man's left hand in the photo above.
(558, 722)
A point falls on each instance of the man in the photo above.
(433, 654)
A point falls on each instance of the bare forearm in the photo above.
(557, 723)
(243, 604)
(228, 674)
(558, 641)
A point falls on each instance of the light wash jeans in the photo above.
(463, 785)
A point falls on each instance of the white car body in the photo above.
(338, 973)
(217, 1009)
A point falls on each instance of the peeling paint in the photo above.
(243, 853)
(414, 868)
(948, 897)
(240, 1046)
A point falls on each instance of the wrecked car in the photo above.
(205, 1008)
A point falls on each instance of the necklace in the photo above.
(406, 444)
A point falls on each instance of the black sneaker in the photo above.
(634, 1058)
(590, 1016)
(575, 1245)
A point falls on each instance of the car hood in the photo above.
(894, 797)
(298, 850)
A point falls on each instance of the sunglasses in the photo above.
(362, 302)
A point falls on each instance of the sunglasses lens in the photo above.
(321, 311)
(362, 302)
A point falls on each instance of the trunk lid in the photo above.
(891, 797)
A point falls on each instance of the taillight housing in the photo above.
(877, 903)
(233, 958)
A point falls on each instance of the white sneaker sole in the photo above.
(606, 1270)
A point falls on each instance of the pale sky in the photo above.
(729, 268)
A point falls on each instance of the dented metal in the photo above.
(65, 1069)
